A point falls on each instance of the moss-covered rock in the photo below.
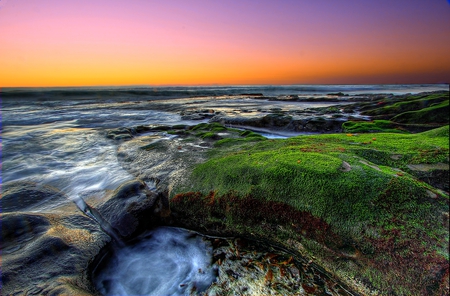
(371, 127)
(435, 113)
(413, 113)
(399, 105)
(349, 201)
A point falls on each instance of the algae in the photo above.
(413, 113)
(349, 199)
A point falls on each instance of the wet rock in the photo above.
(48, 243)
(321, 124)
(197, 114)
(120, 134)
(166, 161)
(127, 206)
(193, 117)
(26, 196)
(339, 94)
(254, 268)
(49, 253)
(285, 122)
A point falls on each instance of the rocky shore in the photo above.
(346, 211)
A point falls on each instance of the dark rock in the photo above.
(436, 178)
(49, 252)
(252, 94)
(120, 134)
(160, 128)
(25, 196)
(277, 121)
(126, 206)
(339, 94)
(18, 229)
(142, 128)
(195, 116)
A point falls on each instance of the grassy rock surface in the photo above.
(409, 113)
(351, 202)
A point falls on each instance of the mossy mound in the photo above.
(414, 113)
(436, 113)
(398, 105)
(371, 127)
(349, 201)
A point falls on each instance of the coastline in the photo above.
(168, 154)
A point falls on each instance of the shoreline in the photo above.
(211, 178)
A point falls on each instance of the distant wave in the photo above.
(148, 92)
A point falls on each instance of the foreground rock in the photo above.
(48, 243)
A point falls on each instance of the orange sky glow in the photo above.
(174, 42)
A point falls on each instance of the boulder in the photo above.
(48, 243)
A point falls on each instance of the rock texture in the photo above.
(48, 243)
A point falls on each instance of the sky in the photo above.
(206, 42)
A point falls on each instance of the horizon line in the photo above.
(212, 84)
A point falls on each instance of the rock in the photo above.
(255, 268)
(197, 114)
(339, 94)
(165, 160)
(193, 117)
(437, 175)
(252, 94)
(285, 122)
(49, 253)
(346, 167)
(48, 243)
(120, 134)
(127, 206)
(27, 196)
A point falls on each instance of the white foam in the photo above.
(166, 261)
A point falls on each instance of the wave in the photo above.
(149, 93)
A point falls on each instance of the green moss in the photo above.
(408, 104)
(176, 132)
(250, 134)
(201, 126)
(217, 129)
(357, 185)
(305, 171)
(385, 126)
(437, 132)
(400, 114)
(204, 134)
(438, 113)
(152, 146)
(209, 127)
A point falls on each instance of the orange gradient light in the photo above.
(59, 43)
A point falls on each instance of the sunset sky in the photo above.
(195, 42)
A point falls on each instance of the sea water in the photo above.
(164, 261)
